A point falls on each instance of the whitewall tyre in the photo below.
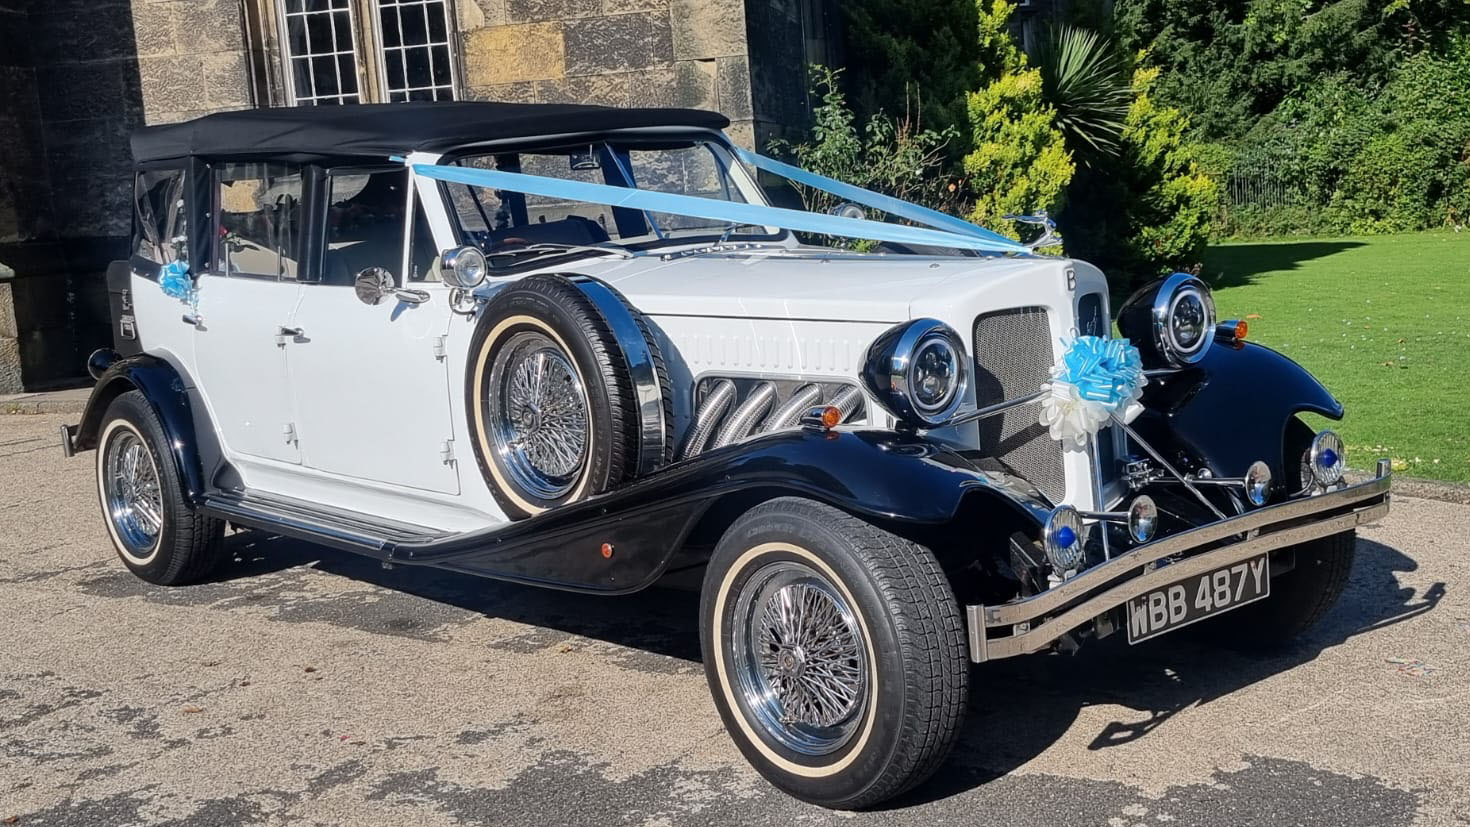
(552, 404)
(834, 651)
(154, 531)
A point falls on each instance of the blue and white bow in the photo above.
(175, 280)
(1095, 380)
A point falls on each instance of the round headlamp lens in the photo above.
(1183, 319)
(935, 374)
(1187, 320)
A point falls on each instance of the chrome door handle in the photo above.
(193, 319)
(284, 334)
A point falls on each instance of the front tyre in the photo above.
(1298, 601)
(155, 532)
(835, 653)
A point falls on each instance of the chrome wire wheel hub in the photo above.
(801, 662)
(134, 498)
(538, 415)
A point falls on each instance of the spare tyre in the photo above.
(567, 392)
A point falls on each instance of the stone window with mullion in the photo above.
(358, 51)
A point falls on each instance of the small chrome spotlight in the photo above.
(1327, 458)
(1257, 483)
(1143, 519)
(1061, 538)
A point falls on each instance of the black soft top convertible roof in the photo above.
(384, 129)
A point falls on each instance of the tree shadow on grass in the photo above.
(1234, 265)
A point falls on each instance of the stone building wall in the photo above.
(690, 53)
(76, 77)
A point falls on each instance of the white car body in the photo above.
(294, 417)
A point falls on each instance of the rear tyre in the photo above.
(155, 532)
(1299, 598)
(834, 651)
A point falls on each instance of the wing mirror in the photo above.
(463, 268)
(375, 284)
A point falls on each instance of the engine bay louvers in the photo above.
(731, 410)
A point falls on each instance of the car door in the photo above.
(246, 298)
(371, 382)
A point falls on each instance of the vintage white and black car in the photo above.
(585, 348)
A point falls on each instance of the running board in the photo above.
(339, 528)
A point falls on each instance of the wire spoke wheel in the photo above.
(799, 659)
(132, 494)
(538, 413)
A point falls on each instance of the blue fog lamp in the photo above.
(1327, 460)
(1061, 539)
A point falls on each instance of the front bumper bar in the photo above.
(1035, 622)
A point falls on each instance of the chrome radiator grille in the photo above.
(1013, 356)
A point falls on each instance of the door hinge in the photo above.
(446, 452)
(440, 350)
(289, 432)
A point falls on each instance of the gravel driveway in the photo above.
(306, 686)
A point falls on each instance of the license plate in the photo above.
(1196, 598)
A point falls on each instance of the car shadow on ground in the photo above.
(1020, 707)
(660, 620)
(1233, 265)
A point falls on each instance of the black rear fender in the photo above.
(191, 437)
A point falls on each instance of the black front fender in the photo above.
(170, 396)
(1233, 407)
(887, 477)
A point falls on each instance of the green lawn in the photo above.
(1383, 321)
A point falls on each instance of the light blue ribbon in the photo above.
(878, 201)
(714, 209)
(1103, 370)
(175, 281)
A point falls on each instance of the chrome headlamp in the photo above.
(1184, 319)
(1175, 319)
(918, 371)
(464, 268)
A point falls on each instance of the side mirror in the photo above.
(463, 268)
(847, 209)
(373, 285)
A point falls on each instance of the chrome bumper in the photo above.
(1034, 623)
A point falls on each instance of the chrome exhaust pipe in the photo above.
(743, 421)
(708, 417)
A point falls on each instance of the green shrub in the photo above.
(1152, 211)
(1019, 162)
(882, 154)
(904, 48)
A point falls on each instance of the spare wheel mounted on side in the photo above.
(567, 393)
